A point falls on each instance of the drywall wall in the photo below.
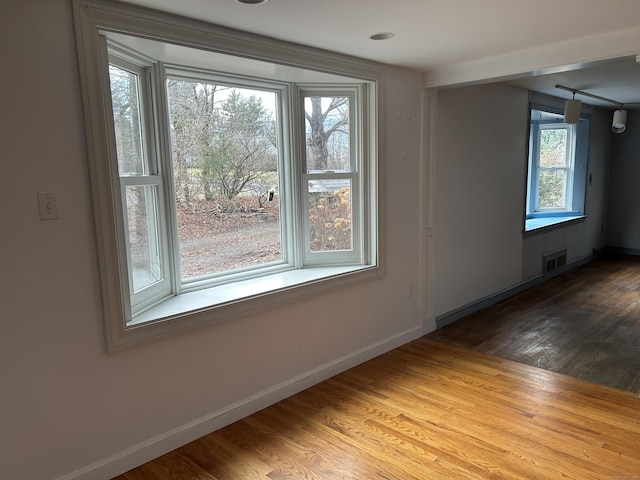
(480, 171)
(69, 410)
(480, 193)
(623, 230)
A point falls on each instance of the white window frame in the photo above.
(536, 219)
(285, 167)
(150, 177)
(568, 168)
(188, 306)
(357, 110)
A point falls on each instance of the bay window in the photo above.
(223, 180)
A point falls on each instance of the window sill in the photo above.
(213, 305)
(546, 222)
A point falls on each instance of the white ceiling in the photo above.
(532, 43)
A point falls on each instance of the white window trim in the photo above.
(568, 169)
(92, 17)
(357, 170)
(225, 278)
(542, 220)
(149, 178)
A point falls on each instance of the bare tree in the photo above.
(226, 143)
(126, 118)
(322, 124)
(193, 114)
(240, 149)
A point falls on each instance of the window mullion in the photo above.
(297, 204)
(165, 166)
(571, 163)
(534, 156)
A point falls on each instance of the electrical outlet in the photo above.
(48, 206)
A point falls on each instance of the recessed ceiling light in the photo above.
(382, 36)
(252, 2)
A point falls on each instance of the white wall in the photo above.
(65, 404)
(480, 181)
(624, 212)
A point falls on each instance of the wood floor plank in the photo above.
(344, 457)
(432, 409)
(498, 424)
(225, 460)
(584, 323)
(172, 466)
(426, 410)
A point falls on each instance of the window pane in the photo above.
(225, 162)
(553, 147)
(327, 133)
(125, 98)
(143, 235)
(330, 215)
(551, 193)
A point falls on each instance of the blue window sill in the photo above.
(544, 222)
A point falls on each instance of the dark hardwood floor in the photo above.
(584, 323)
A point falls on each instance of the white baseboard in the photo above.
(428, 323)
(141, 453)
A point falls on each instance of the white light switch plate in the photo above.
(48, 205)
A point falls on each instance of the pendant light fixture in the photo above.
(619, 124)
(572, 109)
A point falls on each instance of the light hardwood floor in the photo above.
(427, 410)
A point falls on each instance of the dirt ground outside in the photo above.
(222, 236)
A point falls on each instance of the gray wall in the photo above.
(624, 201)
(480, 168)
(480, 191)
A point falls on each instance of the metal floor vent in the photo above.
(554, 260)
